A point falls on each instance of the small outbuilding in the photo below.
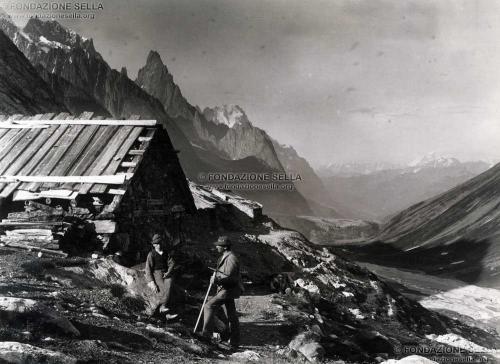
(64, 178)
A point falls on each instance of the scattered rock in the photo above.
(14, 310)
(247, 355)
(308, 286)
(17, 353)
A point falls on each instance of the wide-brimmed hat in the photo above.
(156, 239)
(223, 241)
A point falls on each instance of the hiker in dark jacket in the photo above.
(228, 281)
(161, 269)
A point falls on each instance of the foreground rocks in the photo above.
(15, 311)
(17, 353)
(307, 344)
(332, 309)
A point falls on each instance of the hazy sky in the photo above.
(339, 80)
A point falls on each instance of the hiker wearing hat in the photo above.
(160, 273)
(228, 280)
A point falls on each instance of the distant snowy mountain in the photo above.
(355, 169)
(367, 191)
(433, 160)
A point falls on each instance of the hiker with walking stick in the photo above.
(227, 278)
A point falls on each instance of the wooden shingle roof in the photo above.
(61, 152)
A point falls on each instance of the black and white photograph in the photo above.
(249, 181)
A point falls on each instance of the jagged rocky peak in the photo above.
(154, 60)
(156, 80)
(54, 35)
(158, 71)
(230, 115)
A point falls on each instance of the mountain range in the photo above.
(368, 191)
(80, 79)
(227, 131)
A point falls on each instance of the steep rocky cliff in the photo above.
(74, 59)
(311, 186)
(155, 78)
(241, 138)
(22, 90)
(233, 140)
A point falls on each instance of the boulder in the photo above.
(307, 343)
(17, 353)
(14, 311)
(110, 272)
(246, 356)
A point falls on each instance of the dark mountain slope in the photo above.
(22, 90)
(456, 233)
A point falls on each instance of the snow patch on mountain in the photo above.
(230, 115)
(433, 160)
(53, 44)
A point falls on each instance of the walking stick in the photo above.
(203, 306)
